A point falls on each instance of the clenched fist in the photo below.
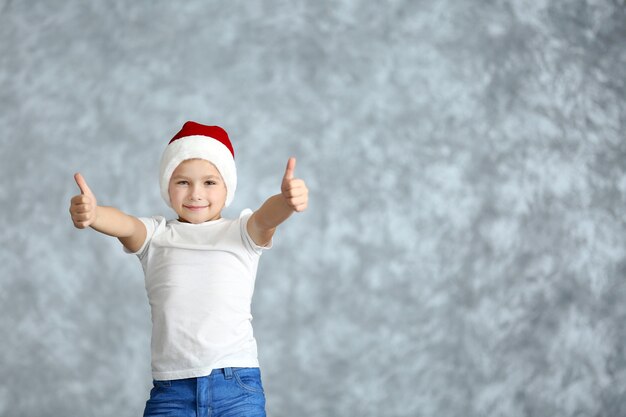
(83, 206)
(294, 190)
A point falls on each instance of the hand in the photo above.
(294, 190)
(83, 206)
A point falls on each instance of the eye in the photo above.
(182, 182)
(210, 183)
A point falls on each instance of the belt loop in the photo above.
(228, 373)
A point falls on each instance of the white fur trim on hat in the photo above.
(202, 147)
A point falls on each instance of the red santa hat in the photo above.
(200, 141)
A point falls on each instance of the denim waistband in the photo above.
(227, 372)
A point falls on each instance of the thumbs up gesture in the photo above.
(83, 206)
(294, 190)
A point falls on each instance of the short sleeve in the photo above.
(244, 216)
(151, 224)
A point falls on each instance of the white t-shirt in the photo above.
(200, 280)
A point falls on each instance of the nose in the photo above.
(194, 193)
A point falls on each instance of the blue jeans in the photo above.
(227, 392)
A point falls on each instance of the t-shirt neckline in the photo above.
(210, 222)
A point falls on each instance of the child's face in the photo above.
(197, 191)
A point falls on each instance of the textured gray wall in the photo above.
(464, 249)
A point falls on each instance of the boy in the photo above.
(199, 274)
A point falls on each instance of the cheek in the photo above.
(215, 192)
(175, 194)
(221, 194)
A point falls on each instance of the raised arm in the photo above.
(294, 197)
(108, 220)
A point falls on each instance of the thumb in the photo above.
(82, 184)
(291, 167)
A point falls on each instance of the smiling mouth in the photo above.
(195, 208)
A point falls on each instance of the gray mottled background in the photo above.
(464, 249)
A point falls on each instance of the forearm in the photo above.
(113, 222)
(273, 212)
